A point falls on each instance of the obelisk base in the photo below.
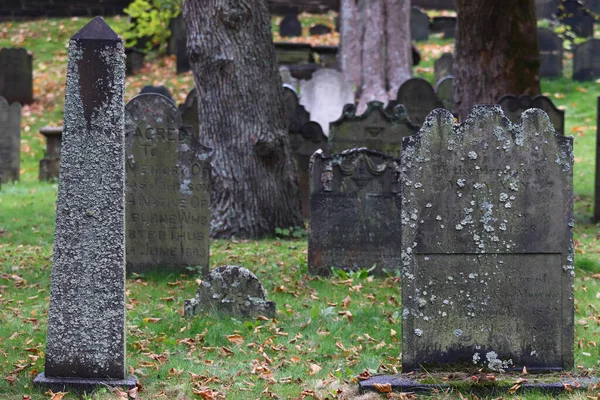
(61, 384)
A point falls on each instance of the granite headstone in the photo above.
(444, 91)
(157, 89)
(586, 60)
(10, 140)
(443, 66)
(16, 75)
(290, 26)
(418, 96)
(514, 106)
(445, 25)
(419, 24)
(551, 53)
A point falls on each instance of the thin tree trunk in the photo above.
(351, 35)
(242, 116)
(373, 56)
(496, 52)
(398, 43)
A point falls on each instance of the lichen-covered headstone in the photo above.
(487, 243)
(443, 66)
(168, 189)
(375, 129)
(444, 91)
(551, 53)
(586, 60)
(419, 24)
(233, 291)
(419, 98)
(86, 320)
(16, 75)
(354, 212)
(514, 106)
(10, 140)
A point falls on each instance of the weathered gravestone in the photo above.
(445, 25)
(325, 95)
(375, 129)
(319, 29)
(354, 212)
(586, 60)
(573, 14)
(49, 165)
(443, 66)
(290, 26)
(487, 243)
(134, 60)
(444, 90)
(230, 290)
(16, 75)
(514, 106)
(419, 24)
(179, 41)
(551, 53)
(10, 140)
(168, 189)
(86, 320)
(419, 98)
(546, 9)
(157, 89)
(189, 112)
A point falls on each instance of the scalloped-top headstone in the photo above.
(514, 106)
(354, 212)
(443, 66)
(375, 129)
(16, 75)
(586, 60)
(168, 189)
(551, 53)
(10, 140)
(86, 320)
(487, 243)
(419, 98)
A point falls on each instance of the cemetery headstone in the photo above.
(179, 39)
(513, 107)
(546, 9)
(325, 95)
(419, 98)
(551, 53)
(443, 66)
(189, 112)
(319, 29)
(443, 90)
(230, 290)
(419, 24)
(483, 282)
(86, 320)
(375, 129)
(577, 17)
(134, 60)
(597, 174)
(445, 25)
(586, 60)
(10, 140)
(163, 90)
(354, 212)
(290, 26)
(178, 31)
(49, 165)
(168, 189)
(16, 75)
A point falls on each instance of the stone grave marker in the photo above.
(443, 66)
(319, 29)
(16, 75)
(375, 129)
(157, 89)
(290, 26)
(419, 24)
(484, 283)
(49, 165)
(189, 112)
(168, 189)
(576, 16)
(354, 212)
(551, 53)
(419, 98)
(445, 25)
(179, 40)
(597, 174)
(545, 9)
(325, 95)
(514, 106)
(10, 140)
(586, 60)
(443, 90)
(86, 320)
(134, 60)
(293, 53)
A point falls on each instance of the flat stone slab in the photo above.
(82, 384)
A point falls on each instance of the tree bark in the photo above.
(242, 116)
(496, 52)
(399, 44)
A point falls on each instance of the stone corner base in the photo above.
(60, 384)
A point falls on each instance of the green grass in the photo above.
(318, 341)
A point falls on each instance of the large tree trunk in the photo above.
(375, 53)
(242, 116)
(496, 52)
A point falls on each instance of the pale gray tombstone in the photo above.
(443, 90)
(16, 75)
(168, 189)
(586, 60)
(514, 106)
(325, 95)
(443, 66)
(419, 98)
(86, 320)
(419, 24)
(551, 53)
(10, 140)
(487, 243)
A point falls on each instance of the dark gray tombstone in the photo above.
(375, 129)
(487, 243)
(445, 25)
(134, 60)
(586, 60)
(163, 90)
(168, 189)
(514, 106)
(577, 17)
(49, 165)
(551, 53)
(443, 66)
(354, 212)
(546, 9)
(189, 112)
(419, 24)
(290, 26)
(179, 40)
(16, 75)
(10, 140)
(419, 98)
(319, 29)
(444, 91)
(86, 320)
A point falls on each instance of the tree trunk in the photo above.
(242, 116)
(496, 52)
(375, 53)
